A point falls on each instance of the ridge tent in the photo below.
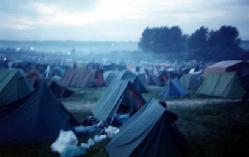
(148, 133)
(109, 76)
(60, 91)
(82, 78)
(237, 66)
(37, 119)
(136, 82)
(226, 85)
(174, 89)
(119, 94)
(191, 81)
(13, 86)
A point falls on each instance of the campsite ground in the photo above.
(213, 127)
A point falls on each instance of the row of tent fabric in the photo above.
(31, 114)
(211, 85)
(226, 79)
(39, 116)
(89, 75)
(150, 131)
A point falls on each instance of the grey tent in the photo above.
(119, 94)
(226, 85)
(82, 78)
(109, 76)
(13, 86)
(129, 76)
(149, 133)
(37, 119)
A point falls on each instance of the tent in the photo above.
(82, 78)
(136, 82)
(191, 81)
(57, 71)
(237, 66)
(60, 91)
(118, 94)
(174, 89)
(109, 76)
(37, 119)
(13, 86)
(148, 133)
(27, 66)
(226, 85)
(33, 74)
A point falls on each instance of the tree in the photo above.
(225, 37)
(162, 40)
(224, 43)
(197, 43)
(203, 44)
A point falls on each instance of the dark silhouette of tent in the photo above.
(120, 93)
(13, 86)
(149, 133)
(36, 119)
(60, 91)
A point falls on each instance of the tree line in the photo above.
(203, 44)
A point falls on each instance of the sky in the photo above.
(115, 20)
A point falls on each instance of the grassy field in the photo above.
(213, 127)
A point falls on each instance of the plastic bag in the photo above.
(99, 138)
(111, 131)
(72, 150)
(65, 138)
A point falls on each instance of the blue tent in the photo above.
(37, 119)
(174, 89)
(148, 133)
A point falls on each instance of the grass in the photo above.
(215, 130)
(212, 130)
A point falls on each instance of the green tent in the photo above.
(13, 86)
(226, 85)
